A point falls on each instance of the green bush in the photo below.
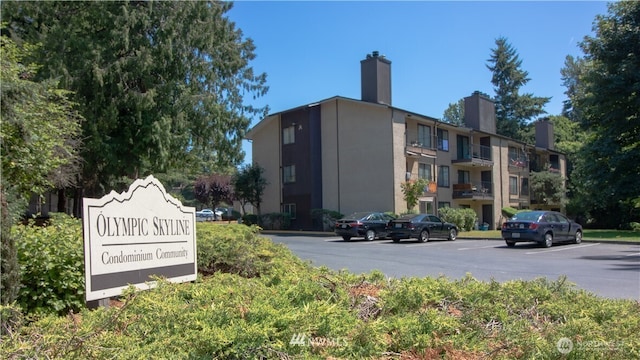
(465, 219)
(324, 219)
(250, 219)
(508, 212)
(276, 221)
(51, 260)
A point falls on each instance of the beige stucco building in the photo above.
(353, 155)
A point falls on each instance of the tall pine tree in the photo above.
(513, 109)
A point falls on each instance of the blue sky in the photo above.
(311, 50)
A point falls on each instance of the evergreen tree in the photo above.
(161, 83)
(513, 110)
(38, 135)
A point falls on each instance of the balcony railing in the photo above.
(473, 190)
(423, 147)
(475, 155)
(518, 162)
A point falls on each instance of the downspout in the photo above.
(338, 157)
(280, 175)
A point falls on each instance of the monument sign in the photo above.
(131, 237)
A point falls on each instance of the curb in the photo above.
(323, 234)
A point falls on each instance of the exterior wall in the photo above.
(266, 143)
(362, 162)
(363, 154)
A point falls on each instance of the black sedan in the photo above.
(422, 227)
(369, 225)
(542, 227)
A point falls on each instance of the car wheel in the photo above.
(424, 236)
(578, 238)
(548, 240)
(396, 240)
(510, 243)
(453, 234)
(370, 235)
(346, 238)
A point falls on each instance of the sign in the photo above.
(131, 237)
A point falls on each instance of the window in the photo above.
(513, 185)
(289, 174)
(443, 204)
(464, 147)
(524, 188)
(424, 171)
(289, 209)
(464, 177)
(289, 135)
(443, 176)
(424, 135)
(443, 140)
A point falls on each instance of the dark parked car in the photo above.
(369, 225)
(422, 227)
(542, 227)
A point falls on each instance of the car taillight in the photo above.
(533, 226)
(504, 225)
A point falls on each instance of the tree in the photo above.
(249, 185)
(38, 136)
(513, 110)
(412, 190)
(607, 96)
(162, 82)
(213, 189)
(454, 114)
(547, 188)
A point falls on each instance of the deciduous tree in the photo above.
(606, 95)
(213, 189)
(249, 185)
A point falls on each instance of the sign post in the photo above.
(134, 236)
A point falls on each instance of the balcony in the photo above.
(482, 190)
(477, 155)
(518, 163)
(415, 148)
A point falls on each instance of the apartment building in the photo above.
(352, 155)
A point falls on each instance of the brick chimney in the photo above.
(375, 76)
(544, 134)
(480, 112)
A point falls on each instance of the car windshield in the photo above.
(527, 216)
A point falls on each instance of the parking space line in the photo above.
(480, 247)
(561, 249)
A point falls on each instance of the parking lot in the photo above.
(609, 270)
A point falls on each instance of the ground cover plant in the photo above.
(254, 299)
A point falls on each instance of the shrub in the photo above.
(465, 219)
(508, 212)
(51, 259)
(250, 219)
(324, 219)
(276, 221)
